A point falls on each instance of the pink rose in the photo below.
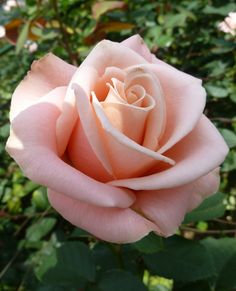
(120, 142)
(229, 24)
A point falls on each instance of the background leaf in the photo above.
(182, 260)
(210, 208)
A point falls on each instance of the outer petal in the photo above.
(46, 74)
(107, 54)
(137, 44)
(200, 152)
(66, 121)
(109, 224)
(32, 144)
(167, 208)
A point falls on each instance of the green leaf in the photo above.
(6, 48)
(227, 278)
(223, 252)
(102, 7)
(222, 10)
(216, 91)
(38, 230)
(78, 232)
(68, 265)
(22, 37)
(181, 260)
(230, 162)
(118, 280)
(210, 208)
(105, 257)
(39, 198)
(175, 20)
(229, 136)
(151, 243)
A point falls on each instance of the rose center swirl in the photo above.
(129, 103)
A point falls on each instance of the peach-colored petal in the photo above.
(126, 108)
(84, 158)
(46, 74)
(197, 154)
(137, 44)
(156, 120)
(124, 118)
(185, 100)
(100, 88)
(205, 186)
(109, 224)
(32, 144)
(91, 129)
(167, 208)
(121, 149)
(111, 54)
(66, 121)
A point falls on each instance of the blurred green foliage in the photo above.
(38, 249)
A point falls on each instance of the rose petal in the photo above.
(156, 121)
(32, 144)
(167, 208)
(100, 88)
(46, 74)
(111, 54)
(124, 115)
(66, 121)
(185, 100)
(122, 149)
(197, 154)
(137, 44)
(109, 224)
(84, 158)
(92, 131)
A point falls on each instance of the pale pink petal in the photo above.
(205, 186)
(167, 208)
(111, 54)
(137, 44)
(46, 74)
(84, 158)
(66, 121)
(121, 149)
(110, 224)
(126, 108)
(100, 88)
(32, 144)
(197, 154)
(92, 130)
(124, 117)
(156, 120)
(185, 100)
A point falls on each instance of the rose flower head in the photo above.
(121, 142)
(229, 24)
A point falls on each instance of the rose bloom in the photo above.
(9, 4)
(121, 142)
(229, 24)
(31, 46)
(2, 31)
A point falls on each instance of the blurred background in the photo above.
(41, 251)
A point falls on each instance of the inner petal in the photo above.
(135, 95)
(128, 110)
